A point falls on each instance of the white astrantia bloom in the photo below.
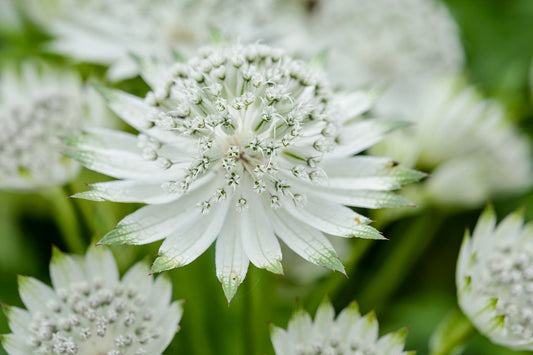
(241, 145)
(348, 334)
(37, 105)
(113, 32)
(401, 44)
(458, 135)
(495, 279)
(91, 311)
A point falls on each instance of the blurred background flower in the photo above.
(495, 279)
(113, 33)
(37, 106)
(348, 333)
(90, 311)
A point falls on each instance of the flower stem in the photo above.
(248, 315)
(66, 218)
(196, 320)
(393, 271)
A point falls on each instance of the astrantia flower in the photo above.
(348, 334)
(89, 311)
(241, 145)
(402, 44)
(36, 107)
(109, 32)
(495, 279)
(473, 154)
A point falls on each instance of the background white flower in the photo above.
(110, 32)
(402, 44)
(240, 145)
(349, 334)
(495, 279)
(36, 107)
(464, 140)
(89, 311)
(9, 17)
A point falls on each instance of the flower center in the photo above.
(509, 278)
(97, 320)
(256, 117)
(30, 134)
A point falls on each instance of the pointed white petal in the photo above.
(329, 217)
(36, 294)
(15, 344)
(324, 318)
(100, 263)
(103, 139)
(130, 108)
(300, 327)
(18, 319)
(162, 291)
(138, 279)
(185, 244)
(65, 270)
(155, 222)
(259, 242)
(363, 134)
(368, 173)
(306, 241)
(392, 343)
(231, 260)
(366, 328)
(347, 318)
(134, 111)
(116, 154)
(128, 191)
(281, 341)
(357, 198)
(166, 327)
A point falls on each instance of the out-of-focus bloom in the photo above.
(473, 154)
(91, 311)
(110, 32)
(402, 44)
(240, 145)
(9, 17)
(495, 279)
(36, 107)
(349, 334)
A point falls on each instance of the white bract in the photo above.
(495, 279)
(459, 136)
(401, 44)
(238, 146)
(36, 108)
(90, 311)
(348, 334)
(113, 32)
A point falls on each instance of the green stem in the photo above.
(187, 286)
(400, 261)
(248, 315)
(66, 218)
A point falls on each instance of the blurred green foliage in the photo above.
(416, 290)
